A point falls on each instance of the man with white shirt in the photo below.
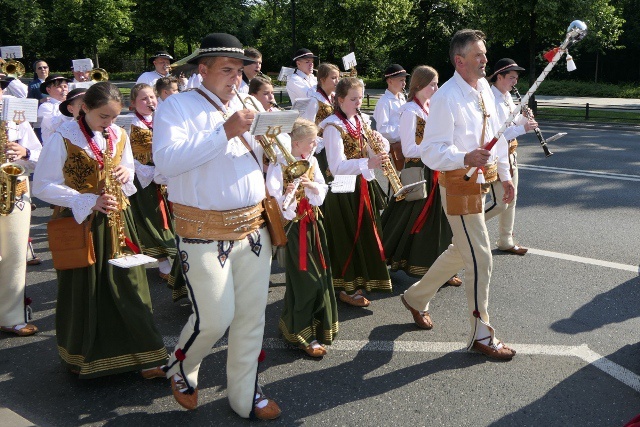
(387, 111)
(302, 79)
(504, 78)
(161, 61)
(57, 88)
(462, 119)
(214, 177)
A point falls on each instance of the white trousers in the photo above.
(470, 250)
(228, 285)
(506, 213)
(14, 237)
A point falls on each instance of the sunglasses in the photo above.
(43, 68)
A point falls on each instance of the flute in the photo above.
(289, 198)
(528, 114)
(576, 32)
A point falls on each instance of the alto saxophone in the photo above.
(113, 187)
(9, 173)
(387, 168)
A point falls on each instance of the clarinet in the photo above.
(291, 196)
(528, 114)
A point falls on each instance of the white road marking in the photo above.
(583, 260)
(591, 174)
(582, 352)
(38, 226)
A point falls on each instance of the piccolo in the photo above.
(528, 114)
(577, 31)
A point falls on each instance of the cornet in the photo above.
(12, 68)
(99, 75)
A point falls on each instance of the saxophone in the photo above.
(113, 187)
(9, 173)
(387, 168)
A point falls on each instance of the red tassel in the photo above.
(476, 313)
(180, 356)
(27, 301)
(262, 356)
(549, 55)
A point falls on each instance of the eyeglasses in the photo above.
(43, 68)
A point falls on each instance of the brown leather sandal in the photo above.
(353, 299)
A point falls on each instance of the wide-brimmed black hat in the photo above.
(71, 96)
(49, 80)
(221, 44)
(161, 54)
(504, 66)
(395, 70)
(4, 81)
(302, 54)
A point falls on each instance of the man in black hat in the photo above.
(161, 61)
(213, 167)
(387, 111)
(57, 87)
(503, 79)
(302, 79)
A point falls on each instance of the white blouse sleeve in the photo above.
(338, 162)
(408, 123)
(276, 189)
(28, 139)
(145, 173)
(129, 187)
(318, 184)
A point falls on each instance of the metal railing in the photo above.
(590, 111)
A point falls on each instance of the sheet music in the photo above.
(343, 184)
(264, 121)
(83, 85)
(349, 61)
(11, 52)
(409, 188)
(125, 121)
(284, 73)
(85, 64)
(301, 105)
(20, 109)
(132, 260)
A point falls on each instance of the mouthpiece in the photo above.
(152, 108)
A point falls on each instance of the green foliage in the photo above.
(575, 88)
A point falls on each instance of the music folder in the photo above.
(132, 260)
(266, 121)
(343, 184)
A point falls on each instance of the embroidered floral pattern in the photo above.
(77, 169)
(351, 145)
(141, 144)
(419, 129)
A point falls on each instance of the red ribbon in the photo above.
(304, 207)
(132, 246)
(163, 210)
(549, 55)
(365, 200)
(424, 213)
(147, 123)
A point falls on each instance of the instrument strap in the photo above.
(484, 118)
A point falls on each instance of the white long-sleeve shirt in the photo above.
(505, 106)
(334, 146)
(48, 180)
(204, 168)
(387, 115)
(24, 135)
(409, 114)
(48, 113)
(150, 78)
(454, 127)
(298, 84)
(276, 187)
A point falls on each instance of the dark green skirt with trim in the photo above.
(104, 318)
(156, 241)
(366, 269)
(310, 311)
(177, 282)
(415, 253)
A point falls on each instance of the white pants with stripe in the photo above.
(506, 213)
(228, 288)
(470, 250)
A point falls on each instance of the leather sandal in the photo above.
(357, 299)
(314, 351)
(149, 374)
(184, 398)
(454, 281)
(495, 349)
(516, 250)
(422, 319)
(270, 411)
(164, 276)
(23, 330)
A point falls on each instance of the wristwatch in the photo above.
(26, 156)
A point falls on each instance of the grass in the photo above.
(595, 115)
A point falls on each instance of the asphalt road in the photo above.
(569, 307)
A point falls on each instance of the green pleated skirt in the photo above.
(415, 253)
(104, 318)
(366, 268)
(310, 311)
(156, 241)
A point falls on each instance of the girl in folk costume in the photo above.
(261, 89)
(104, 322)
(149, 204)
(353, 221)
(310, 316)
(20, 145)
(416, 232)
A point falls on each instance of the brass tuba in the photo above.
(98, 75)
(295, 168)
(12, 68)
(9, 173)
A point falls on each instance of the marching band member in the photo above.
(81, 76)
(353, 220)
(165, 87)
(504, 78)
(69, 109)
(161, 62)
(201, 137)
(261, 88)
(56, 87)
(416, 232)
(462, 118)
(149, 205)
(40, 74)
(309, 318)
(22, 147)
(387, 111)
(302, 79)
(252, 70)
(104, 322)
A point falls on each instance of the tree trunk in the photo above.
(533, 41)
(597, 62)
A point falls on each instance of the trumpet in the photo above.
(12, 68)
(295, 168)
(99, 75)
(183, 61)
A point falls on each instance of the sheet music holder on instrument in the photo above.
(406, 189)
(285, 72)
(20, 110)
(349, 61)
(301, 105)
(267, 122)
(125, 121)
(343, 184)
(129, 261)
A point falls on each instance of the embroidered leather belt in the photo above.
(234, 224)
(21, 188)
(412, 159)
(490, 175)
(513, 144)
